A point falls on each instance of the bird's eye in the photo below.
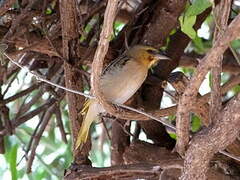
(151, 51)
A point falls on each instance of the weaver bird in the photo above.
(119, 81)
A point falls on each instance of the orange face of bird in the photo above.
(147, 55)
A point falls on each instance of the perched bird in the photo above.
(119, 81)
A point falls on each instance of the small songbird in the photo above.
(119, 81)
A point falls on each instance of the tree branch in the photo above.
(138, 171)
(73, 80)
(221, 13)
(101, 52)
(188, 98)
(211, 140)
(38, 135)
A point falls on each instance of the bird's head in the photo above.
(146, 55)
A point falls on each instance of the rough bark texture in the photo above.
(221, 14)
(72, 77)
(189, 97)
(209, 141)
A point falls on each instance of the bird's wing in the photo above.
(85, 107)
(120, 61)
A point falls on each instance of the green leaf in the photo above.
(173, 136)
(187, 25)
(197, 7)
(84, 67)
(199, 44)
(210, 79)
(187, 71)
(196, 123)
(48, 11)
(13, 161)
(171, 118)
(236, 89)
(235, 44)
(188, 19)
(118, 25)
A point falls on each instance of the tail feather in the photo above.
(91, 112)
(86, 107)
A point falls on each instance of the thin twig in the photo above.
(38, 136)
(47, 167)
(106, 129)
(9, 84)
(229, 64)
(41, 78)
(2, 145)
(22, 93)
(33, 136)
(237, 158)
(60, 123)
(20, 120)
(25, 107)
(4, 112)
(124, 128)
(235, 54)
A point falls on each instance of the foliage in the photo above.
(188, 19)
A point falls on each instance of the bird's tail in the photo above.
(91, 111)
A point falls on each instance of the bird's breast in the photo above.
(120, 83)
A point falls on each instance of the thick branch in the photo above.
(73, 79)
(209, 141)
(135, 171)
(221, 12)
(229, 64)
(101, 52)
(188, 99)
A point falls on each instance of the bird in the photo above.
(118, 82)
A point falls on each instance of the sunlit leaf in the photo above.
(197, 7)
(187, 25)
(172, 135)
(188, 19)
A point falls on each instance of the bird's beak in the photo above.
(161, 57)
